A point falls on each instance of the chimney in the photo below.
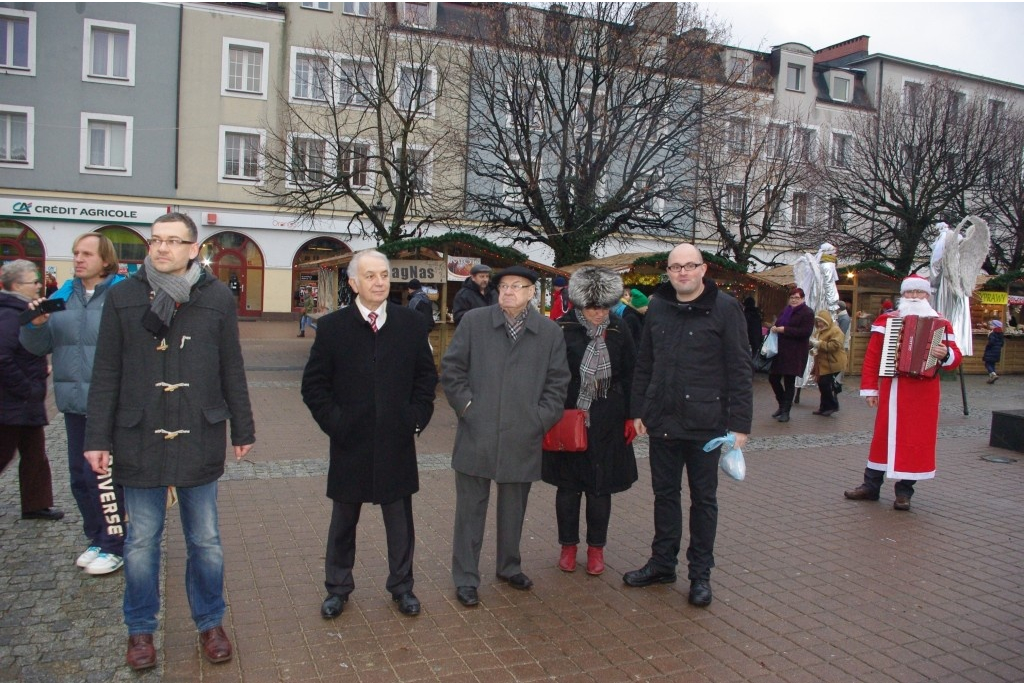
(847, 48)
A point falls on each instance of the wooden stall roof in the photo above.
(465, 243)
(619, 263)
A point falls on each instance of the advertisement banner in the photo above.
(459, 267)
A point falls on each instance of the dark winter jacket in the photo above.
(754, 327)
(693, 377)
(71, 336)
(608, 464)
(188, 383)
(634, 321)
(22, 374)
(421, 303)
(794, 343)
(993, 348)
(469, 297)
(371, 394)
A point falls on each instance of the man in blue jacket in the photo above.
(70, 336)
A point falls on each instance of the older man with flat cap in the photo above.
(506, 377)
(476, 292)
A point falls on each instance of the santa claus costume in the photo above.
(906, 425)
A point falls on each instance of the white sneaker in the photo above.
(104, 563)
(86, 557)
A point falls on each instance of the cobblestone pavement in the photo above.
(808, 586)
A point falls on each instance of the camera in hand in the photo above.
(44, 307)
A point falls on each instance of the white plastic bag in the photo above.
(770, 346)
(731, 460)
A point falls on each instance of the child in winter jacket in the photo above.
(993, 350)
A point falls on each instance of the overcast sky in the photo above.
(983, 38)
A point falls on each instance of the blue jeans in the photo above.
(204, 570)
(100, 502)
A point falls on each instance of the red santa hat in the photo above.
(915, 282)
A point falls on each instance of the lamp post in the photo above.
(379, 211)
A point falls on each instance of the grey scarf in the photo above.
(170, 290)
(596, 366)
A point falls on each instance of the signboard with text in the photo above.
(28, 208)
(426, 270)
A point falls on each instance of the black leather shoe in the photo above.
(408, 604)
(902, 503)
(333, 606)
(48, 514)
(700, 593)
(648, 575)
(519, 581)
(777, 412)
(862, 492)
(466, 594)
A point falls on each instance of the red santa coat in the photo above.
(907, 422)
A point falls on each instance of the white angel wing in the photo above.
(808, 278)
(973, 251)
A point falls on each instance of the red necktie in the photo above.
(373, 321)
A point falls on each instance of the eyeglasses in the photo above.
(35, 282)
(171, 242)
(689, 266)
(514, 287)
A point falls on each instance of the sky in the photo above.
(983, 38)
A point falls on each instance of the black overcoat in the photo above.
(608, 465)
(371, 393)
(22, 374)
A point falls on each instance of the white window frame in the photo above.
(222, 155)
(911, 86)
(732, 198)
(94, 117)
(776, 140)
(795, 220)
(352, 9)
(655, 205)
(740, 67)
(30, 68)
(363, 64)
(801, 77)
(409, 20)
(89, 26)
(849, 88)
(225, 81)
(801, 135)
(587, 97)
(318, 6)
(367, 187)
(741, 146)
(847, 149)
(30, 120)
(326, 170)
(328, 58)
(427, 110)
(996, 109)
(428, 164)
(536, 120)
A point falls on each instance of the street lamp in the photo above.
(379, 211)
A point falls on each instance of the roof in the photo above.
(619, 263)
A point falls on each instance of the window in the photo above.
(416, 14)
(776, 144)
(240, 154)
(957, 104)
(732, 201)
(590, 113)
(772, 207)
(16, 136)
(996, 109)
(419, 169)
(106, 144)
(739, 69)
(512, 194)
(322, 6)
(312, 78)
(912, 94)
(524, 107)
(651, 186)
(525, 24)
(799, 209)
(803, 142)
(307, 160)
(243, 70)
(416, 86)
(17, 41)
(739, 135)
(840, 89)
(359, 9)
(354, 165)
(908, 161)
(836, 215)
(794, 77)
(109, 52)
(841, 150)
(355, 82)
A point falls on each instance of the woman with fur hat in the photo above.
(828, 349)
(600, 354)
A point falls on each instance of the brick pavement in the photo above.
(808, 586)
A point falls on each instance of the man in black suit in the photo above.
(370, 383)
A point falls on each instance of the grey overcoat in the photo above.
(507, 394)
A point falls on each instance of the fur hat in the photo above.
(592, 286)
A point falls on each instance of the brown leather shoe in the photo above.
(216, 645)
(902, 503)
(141, 652)
(861, 492)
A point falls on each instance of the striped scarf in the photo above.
(596, 366)
(514, 325)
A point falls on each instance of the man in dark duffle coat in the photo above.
(370, 383)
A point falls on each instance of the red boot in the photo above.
(567, 562)
(595, 560)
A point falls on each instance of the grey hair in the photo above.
(12, 271)
(353, 266)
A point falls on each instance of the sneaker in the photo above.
(992, 378)
(104, 563)
(86, 557)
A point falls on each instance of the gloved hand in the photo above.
(630, 431)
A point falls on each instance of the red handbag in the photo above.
(569, 434)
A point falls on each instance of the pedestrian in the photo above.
(475, 292)
(506, 377)
(560, 303)
(23, 394)
(993, 350)
(907, 420)
(381, 348)
(794, 327)
(306, 318)
(829, 360)
(419, 301)
(620, 306)
(51, 284)
(70, 336)
(601, 355)
(755, 325)
(167, 377)
(633, 314)
(693, 382)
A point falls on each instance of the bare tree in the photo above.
(890, 176)
(1003, 196)
(752, 183)
(583, 121)
(373, 118)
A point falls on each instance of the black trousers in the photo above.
(341, 546)
(668, 459)
(873, 478)
(827, 388)
(784, 388)
(567, 511)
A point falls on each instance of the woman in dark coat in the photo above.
(600, 354)
(794, 327)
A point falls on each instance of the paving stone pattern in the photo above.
(808, 586)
